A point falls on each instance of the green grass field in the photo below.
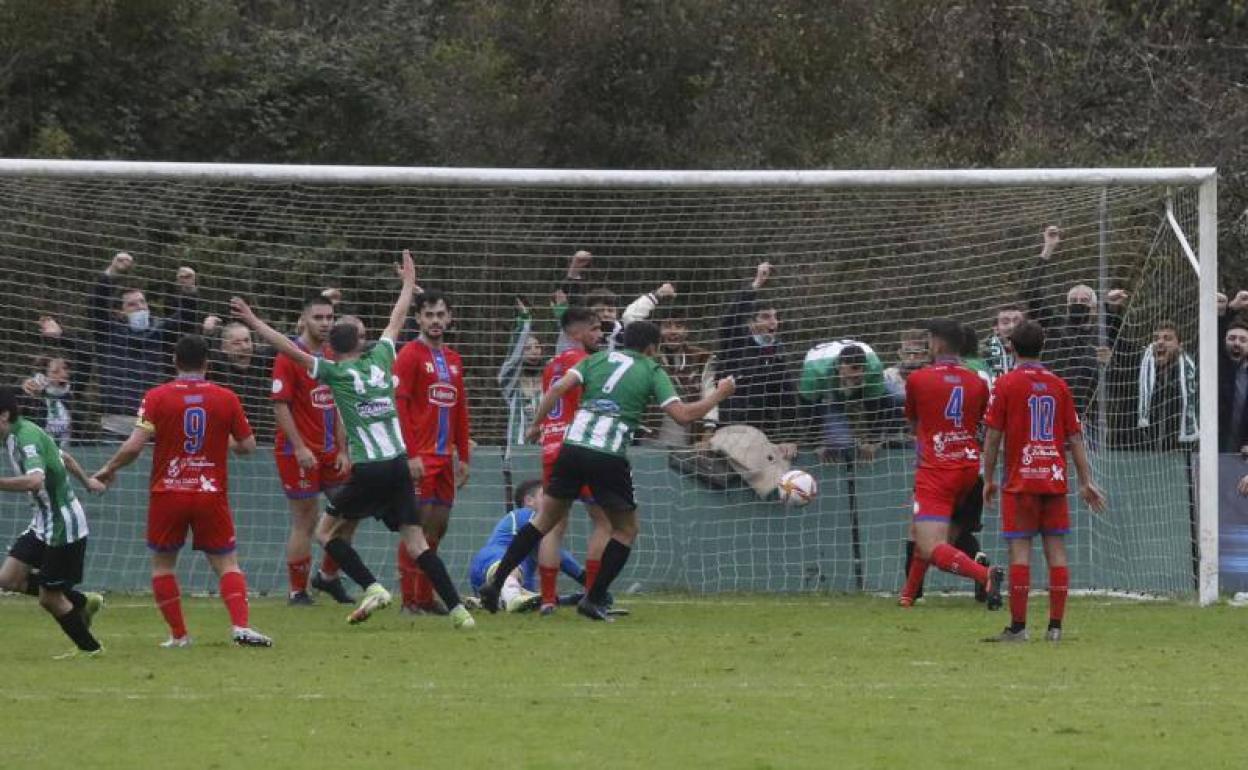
(733, 682)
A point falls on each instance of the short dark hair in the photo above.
(429, 298)
(763, 304)
(317, 299)
(1010, 307)
(1238, 322)
(640, 335)
(525, 489)
(9, 403)
(970, 342)
(1028, 339)
(577, 315)
(852, 355)
(190, 354)
(947, 331)
(344, 337)
(1171, 325)
(601, 296)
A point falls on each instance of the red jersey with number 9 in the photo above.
(947, 403)
(192, 420)
(1034, 409)
(560, 417)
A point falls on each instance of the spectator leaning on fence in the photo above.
(1233, 375)
(1167, 406)
(692, 369)
(520, 376)
(132, 348)
(844, 380)
(911, 356)
(751, 352)
(58, 379)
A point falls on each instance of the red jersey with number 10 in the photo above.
(946, 402)
(311, 403)
(560, 417)
(192, 420)
(1034, 409)
(432, 402)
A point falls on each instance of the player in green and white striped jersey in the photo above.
(56, 542)
(381, 481)
(617, 386)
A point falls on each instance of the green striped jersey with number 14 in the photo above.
(364, 394)
(58, 518)
(617, 387)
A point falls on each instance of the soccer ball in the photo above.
(797, 488)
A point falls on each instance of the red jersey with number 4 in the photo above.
(192, 420)
(560, 417)
(1033, 408)
(947, 403)
(311, 404)
(432, 402)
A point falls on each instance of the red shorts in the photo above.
(938, 492)
(548, 463)
(299, 484)
(207, 516)
(437, 485)
(1024, 515)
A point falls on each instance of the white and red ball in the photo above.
(797, 488)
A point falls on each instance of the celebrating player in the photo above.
(945, 403)
(433, 415)
(380, 484)
(617, 386)
(517, 594)
(195, 422)
(56, 541)
(583, 331)
(1032, 409)
(310, 452)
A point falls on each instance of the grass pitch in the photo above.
(732, 682)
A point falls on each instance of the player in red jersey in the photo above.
(583, 331)
(433, 415)
(945, 403)
(195, 422)
(311, 452)
(1033, 410)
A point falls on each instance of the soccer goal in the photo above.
(858, 257)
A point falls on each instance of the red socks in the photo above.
(1020, 586)
(550, 581)
(298, 572)
(1059, 588)
(329, 567)
(234, 595)
(169, 601)
(951, 560)
(407, 575)
(591, 572)
(914, 578)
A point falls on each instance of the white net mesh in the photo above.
(848, 264)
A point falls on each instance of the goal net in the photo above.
(859, 258)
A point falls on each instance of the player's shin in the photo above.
(233, 588)
(169, 600)
(75, 628)
(350, 562)
(407, 574)
(521, 546)
(1020, 587)
(950, 559)
(1059, 589)
(431, 564)
(614, 557)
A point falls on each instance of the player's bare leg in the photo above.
(1059, 583)
(932, 539)
(427, 559)
(553, 512)
(1020, 588)
(328, 579)
(624, 529)
(15, 577)
(915, 569)
(303, 517)
(548, 558)
(233, 588)
(416, 587)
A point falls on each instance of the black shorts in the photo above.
(968, 514)
(28, 549)
(380, 489)
(62, 565)
(609, 478)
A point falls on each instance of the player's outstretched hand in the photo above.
(96, 487)
(242, 311)
(1093, 497)
(991, 487)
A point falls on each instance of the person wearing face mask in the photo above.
(50, 391)
(1233, 374)
(1071, 325)
(751, 351)
(844, 380)
(132, 346)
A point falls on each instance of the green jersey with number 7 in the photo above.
(617, 386)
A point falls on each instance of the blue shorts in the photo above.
(484, 559)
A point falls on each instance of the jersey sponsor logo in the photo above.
(30, 450)
(378, 407)
(604, 406)
(322, 397)
(1031, 453)
(443, 394)
(193, 398)
(277, 386)
(174, 468)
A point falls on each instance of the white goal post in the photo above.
(1202, 180)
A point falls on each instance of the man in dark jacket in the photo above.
(1233, 375)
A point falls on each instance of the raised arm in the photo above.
(280, 342)
(509, 372)
(407, 271)
(685, 413)
(1042, 305)
(641, 308)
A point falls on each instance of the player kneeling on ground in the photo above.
(518, 593)
(617, 386)
(56, 541)
(1033, 410)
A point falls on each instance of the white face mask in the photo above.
(139, 320)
